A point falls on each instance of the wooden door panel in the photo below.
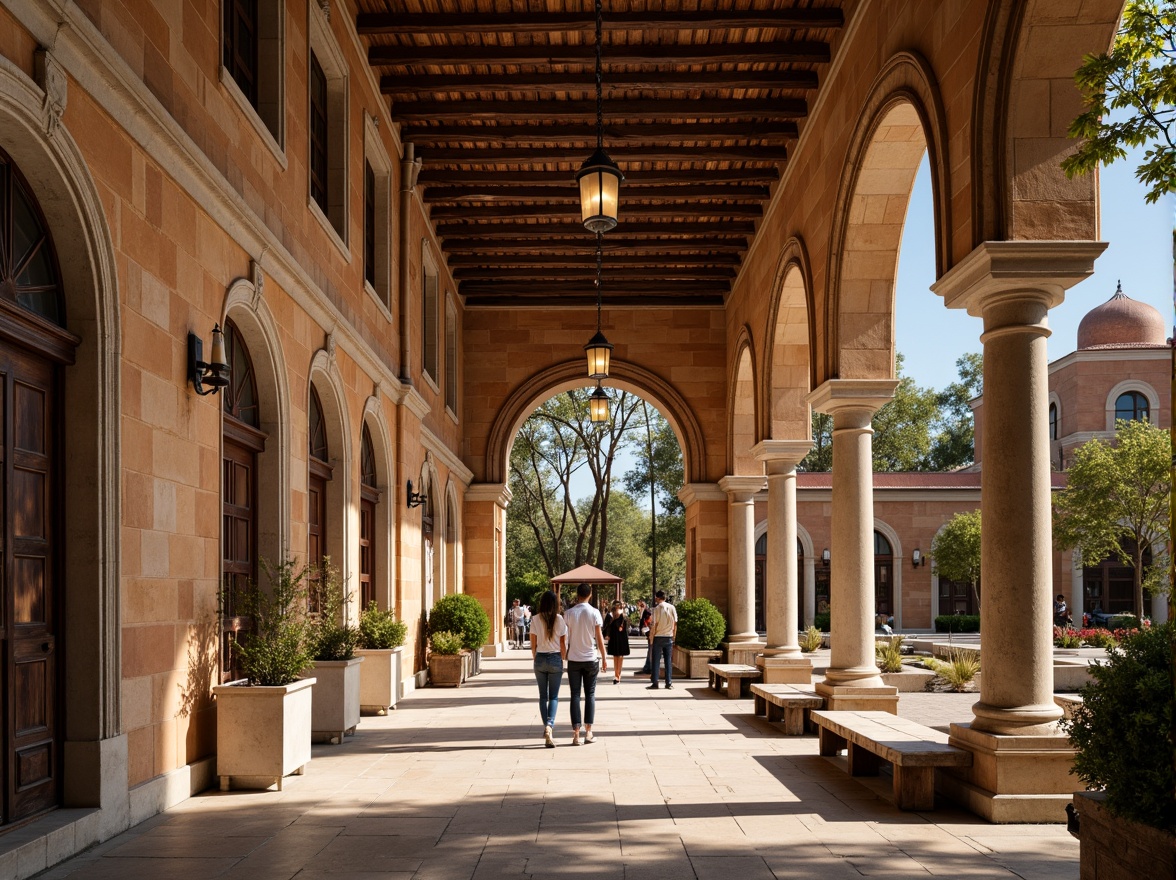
(367, 552)
(238, 558)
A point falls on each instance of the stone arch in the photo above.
(431, 565)
(377, 425)
(244, 306)
(741, 414)
(901, 119)
(570, 374)
(452, 557)
(788, 362)
(90, 724)
(325, 378)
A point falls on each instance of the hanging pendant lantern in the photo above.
(598, 405)
(599, 177)
(598, 349)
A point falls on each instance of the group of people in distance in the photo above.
(577, 636)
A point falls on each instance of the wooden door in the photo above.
(367, 548)
(28, 562)
(239, 538)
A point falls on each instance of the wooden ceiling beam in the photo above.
(523, 290)
(548, 247)
(568, 193)
(624, 258)
(609, 279)
(691, 228)
(622, 155)
(547, 112)
(414, 85)
(645, 301)
(653, 54)
(374, 23)
(432, 177)
(477, 213)
(614, 135)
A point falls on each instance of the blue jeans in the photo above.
(548, 673)
(662, 650)
(583, 672)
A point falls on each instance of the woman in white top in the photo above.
(549, 648)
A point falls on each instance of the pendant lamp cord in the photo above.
(599, 287)
(599, 80)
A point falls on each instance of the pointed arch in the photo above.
(741, 413)
(789, 364)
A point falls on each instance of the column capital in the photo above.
(781, 456)
(742, 488)
(852, 394)
(498, 493)
(692, 492)
(997, 271)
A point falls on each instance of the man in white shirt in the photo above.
(662, 629)
(518, 623)
(584, 637)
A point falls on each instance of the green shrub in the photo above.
(1066, 638)
(1099, 638)
(889, 654)
(822, 621)
(446, 642)
(700, 625)
(461, 613)
(330, 637)
(810, 640)
(277, 649)
(957, 623)
(958, 670)
(1123, 729)
(380, 629)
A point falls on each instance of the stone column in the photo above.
(742, 639)
(810, 590)
(782, 660)
(853, 680)
(1020, 761)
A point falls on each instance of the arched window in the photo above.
(317, 435)
(883, 578)
(28, 264)
(240, 397)
(368, 496)
(1131, 406)
(1053, 421)
(320, 475)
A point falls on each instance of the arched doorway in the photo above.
(761, 556)
(242, 442)
(368, 498)
(883, 579)
(320, 471)
(34, 346)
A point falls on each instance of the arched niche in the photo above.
(324, 378)
(741, 410)
(788, 370)
(382, 464)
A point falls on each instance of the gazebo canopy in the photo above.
(587, 574)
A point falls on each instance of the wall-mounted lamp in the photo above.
(917, 558)
(214, 373)
(415, 499)
(825, 557)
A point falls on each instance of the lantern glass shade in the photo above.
(600, 188)
(598, 405)
(599, 351)
(218, 358)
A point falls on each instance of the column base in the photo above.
(1012, 778)
(742, 652)
(785, 670)
(847, 698)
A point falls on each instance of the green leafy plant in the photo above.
(958, 670)
(810, 640)
(1124, 728)
(277, 649)
(446, 643)
(822, 620)
(957, 623)
(889, 654)
(1066, 638)
(955, 551)
(331, 638)
(1099, 638)
(380, 630)
(700, 625)
(461, 613)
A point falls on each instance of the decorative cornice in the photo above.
(781, 456)
(835, 394)
(691, 493)
(432, 443)
(408, 397)
(498, 493)
(742, 488)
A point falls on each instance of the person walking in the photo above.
(663, 627)
(549, 648)
(616, 630)
(518, 623)
(584, 663)
(644, 615)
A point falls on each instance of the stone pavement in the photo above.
(456, 784)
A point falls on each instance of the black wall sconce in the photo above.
(825, 557)
(917, 558)
(215, 373)
(415, 499)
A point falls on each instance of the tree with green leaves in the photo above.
(1116, 500)
(1138, 76)
(955, 551)
(659, 477)
(954, 443)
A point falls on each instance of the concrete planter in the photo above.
(471, 663)
(262, 733)
(446, 670)
(379, 679)
(692, 664)
(336, 699)
(908, 681)
(1113, 848)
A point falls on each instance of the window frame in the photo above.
(376, 158)
(430, 319)
(266, 110)
(452, 385)
(324, 50)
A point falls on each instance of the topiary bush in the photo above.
(700, 625)
(380, 630)
(957, 623)
(446, 642)
(461, 613)
(1124, 729)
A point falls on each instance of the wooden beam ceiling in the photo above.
(460, 24)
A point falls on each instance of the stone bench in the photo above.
(913, 750)
(733, 674)
(785, 702)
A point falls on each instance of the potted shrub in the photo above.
(462, 614)
(700, 629)
(381, 644)
(332, 644)
(1124, 735)
(263, 721)
(446, 663)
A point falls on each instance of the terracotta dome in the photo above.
(1122, 322)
